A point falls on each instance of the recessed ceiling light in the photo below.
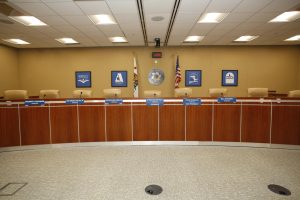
(16, 41)
(212, 17)
(294, 38)
(117, 39)
(194, 38)
(102, 19)
(67, 41)
(28, 20)
(287, 17)
(246, 38)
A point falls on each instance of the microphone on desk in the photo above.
(44, 96)
(80, 94)
(154, 94)
(186, 95)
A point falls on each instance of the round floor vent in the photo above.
(153, 189)
(279, 190)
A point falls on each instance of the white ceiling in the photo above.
(68, 18)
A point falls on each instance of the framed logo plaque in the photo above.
(230, 77)
(193, 78)
(118, 78)
(83, 79)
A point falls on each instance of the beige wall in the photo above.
(275, 67)
(9, 78)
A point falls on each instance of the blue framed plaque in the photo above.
(118, 78)
(230, 77)
(192, 102)
(154, 102)
(83, 79)
(34, 103)
(227, 100)
(113, 101)
(193, 78)
(74, 101)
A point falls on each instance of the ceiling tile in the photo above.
(123, 6)
(111, 30)
(67, 18)
(65, 8)
(137, 43)
(24, 1)
(181, 29)
(53, 20)
(249, 26)
(270, 26)
(192, 6)
(292, 26)
(87, 28)
(51, 31)
(93, 7)
(239, 32)
(65, 29)
(131, 28)
(280, 5)
(78, 20)
(51, 1)
(262, 17)
(252, 5)
(7, 28)
(202, 29)
(174, 43)
(222, 6)
(158, 6)
(190, 18)
(237, 17)
(35, 9)
(135, 39)
(128, 19)
(95, 34)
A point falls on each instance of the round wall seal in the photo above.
(156, 76)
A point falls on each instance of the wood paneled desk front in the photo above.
(249, 120)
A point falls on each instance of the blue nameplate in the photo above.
(154, 102)
(113, 101)
(191, 102)
(34, 103)
(74, 101)
(227, 100)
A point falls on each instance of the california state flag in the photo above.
(135, 80)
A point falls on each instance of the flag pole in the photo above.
(135, 79)
(177, 74)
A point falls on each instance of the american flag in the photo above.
(178, 74)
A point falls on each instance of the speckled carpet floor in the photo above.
(122, 173)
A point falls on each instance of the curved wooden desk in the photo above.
(248, 120)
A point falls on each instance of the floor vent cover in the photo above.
(279, 190)
(153, 189)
